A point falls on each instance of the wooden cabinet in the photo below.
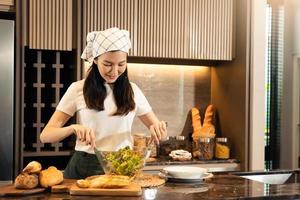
(185, 29)
(6, 5)
(50, 24)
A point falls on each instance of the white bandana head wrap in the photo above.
(100, 42)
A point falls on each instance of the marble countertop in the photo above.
(221, 186)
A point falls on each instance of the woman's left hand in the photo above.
(158, 131)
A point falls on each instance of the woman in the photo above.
(105, 103)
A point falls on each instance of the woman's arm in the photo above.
(158, 129)
(55, 132)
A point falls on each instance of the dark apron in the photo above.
(82, 165)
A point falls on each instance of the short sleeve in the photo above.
(142, 104)
(67, 103)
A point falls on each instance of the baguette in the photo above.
(209, 114)
(208, 129)
(196, 123)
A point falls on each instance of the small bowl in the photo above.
(185, 172)
(125, 161)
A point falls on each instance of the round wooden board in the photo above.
(149, 180)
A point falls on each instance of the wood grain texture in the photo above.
(194, 29)
(50, 24)
(64, 187)
(10, 190)
(131, 190)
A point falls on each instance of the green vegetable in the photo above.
(125, 161)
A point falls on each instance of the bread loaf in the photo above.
(83, 183)
(26, 181)
(33, 167)
(110, 181)
(209, 114)
(205, 130)
(51, 176)
(208, 129)
(196, 123)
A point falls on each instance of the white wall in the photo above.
(289, 139)
(257, 85)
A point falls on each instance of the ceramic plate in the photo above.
(184, 180)
(184, 172)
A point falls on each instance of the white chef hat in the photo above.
(99, 42)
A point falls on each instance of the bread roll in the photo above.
(33, 167)
(26, 181)
(51, 176)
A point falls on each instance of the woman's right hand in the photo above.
(84, 134)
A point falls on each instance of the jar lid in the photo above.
(140, 135)
(221, 139)
(207, 140)
(179, 137)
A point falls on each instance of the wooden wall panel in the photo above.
(187, 29)
(50, 24)
(7, 2)
(210, 29)
(7, 5)
(100, 15)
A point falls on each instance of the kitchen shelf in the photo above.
(46, 153)
(211, 165)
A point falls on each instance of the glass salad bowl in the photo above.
(125, 161)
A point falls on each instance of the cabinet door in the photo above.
(210, 29)
(185, 29)
(50, 24)
(6, 5)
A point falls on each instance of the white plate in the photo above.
(184, 172)
(184, 180)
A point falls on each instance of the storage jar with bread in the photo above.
(203, 148)
(173, 143)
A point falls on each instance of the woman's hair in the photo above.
(94, 92)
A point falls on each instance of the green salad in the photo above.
(125, 161)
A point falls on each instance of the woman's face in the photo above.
(111, 65)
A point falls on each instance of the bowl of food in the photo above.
(125, 161)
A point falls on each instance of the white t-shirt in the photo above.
(111, 132)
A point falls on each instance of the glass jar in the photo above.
(139, 140)
(152, 146)
(173, 143)
(203, 149)
(222, 148)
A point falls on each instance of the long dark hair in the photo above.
(94, 92)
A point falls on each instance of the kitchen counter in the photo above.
(221, 186)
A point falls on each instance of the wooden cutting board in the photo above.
(64, 187)
(131, 190)
(10, 190)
